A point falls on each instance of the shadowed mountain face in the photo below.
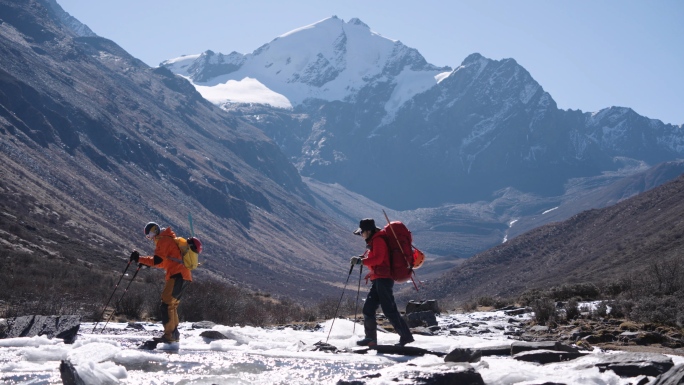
(424, 136)
(95, 144)
(594, 246)
(467, 157)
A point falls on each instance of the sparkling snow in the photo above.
(254, 355)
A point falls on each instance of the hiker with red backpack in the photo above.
(167, 256)
(377, 259)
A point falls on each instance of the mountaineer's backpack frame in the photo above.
(402, 272)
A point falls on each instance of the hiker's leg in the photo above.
(370, 325)
(170, 301)
(384, 287)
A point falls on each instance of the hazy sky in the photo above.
(587, 54)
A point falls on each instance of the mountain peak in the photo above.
(473, 58)
(327, 60)
(357, 21)
(70, 22)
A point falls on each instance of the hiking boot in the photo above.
(403, 342)
(164, 339)
(367, 342)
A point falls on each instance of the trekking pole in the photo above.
(122, 295)
(192, 231)
(339, 302)
(413, 273)
(356, 305)
(110, 297)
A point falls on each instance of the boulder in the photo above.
(518, 347)
(468, 376)
(203, 325)
(69, 374)
(213, 335)
(463, 355)
(501, 350)
(674, 376)
(546, 356)
(64, 327)
(518, 311)
(420, 306)
(423, 318)
(636, 364)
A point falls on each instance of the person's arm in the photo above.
(377, 253)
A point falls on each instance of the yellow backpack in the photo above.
(189, 251)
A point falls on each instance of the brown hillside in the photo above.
(593, 246)
(94, 144)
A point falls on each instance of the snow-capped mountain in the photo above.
(330, 60)
(339, 98)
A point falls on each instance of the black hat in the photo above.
(367, 224)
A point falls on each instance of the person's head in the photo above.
(366, 228)
(152, 230)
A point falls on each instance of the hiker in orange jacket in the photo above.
(381, 292)
(166, 256)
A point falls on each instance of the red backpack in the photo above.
(399, 240)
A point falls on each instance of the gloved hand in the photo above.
(134, 256)
(357, 260)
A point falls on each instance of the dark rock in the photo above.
(517, 347)
(641, 380)
(135, 325)
(466, 377)
(325, 347)
(213, 335)
(518, 311)
(420, 306)
(648, 338)
(203, 325)
(404, 350)
(546, 356)
(636, 364)
(674, 376)
(463, 355)
(64, 327)
(539, 328)
(343, 382)
(423, 318)
(69, 374)
(502, 350)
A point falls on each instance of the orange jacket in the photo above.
(378, 261)
(167, 250)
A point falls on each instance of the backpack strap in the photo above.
(172, 258)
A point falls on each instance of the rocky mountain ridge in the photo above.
(599, 245)
(95, 144)
(468, 132)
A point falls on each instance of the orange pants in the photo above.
(169, 307)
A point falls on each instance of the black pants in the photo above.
(381, 295)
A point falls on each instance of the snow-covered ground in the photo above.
(254, 355)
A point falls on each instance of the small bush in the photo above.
(544, 310)
(572, 310)
(601, 309)
(469, 306)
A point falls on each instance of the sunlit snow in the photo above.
(328, 60)
(247, 90)
(253, 355)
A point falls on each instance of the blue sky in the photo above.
(587, 54)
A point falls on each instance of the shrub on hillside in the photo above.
(572, 310)
(664, 310)
(544, 311)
